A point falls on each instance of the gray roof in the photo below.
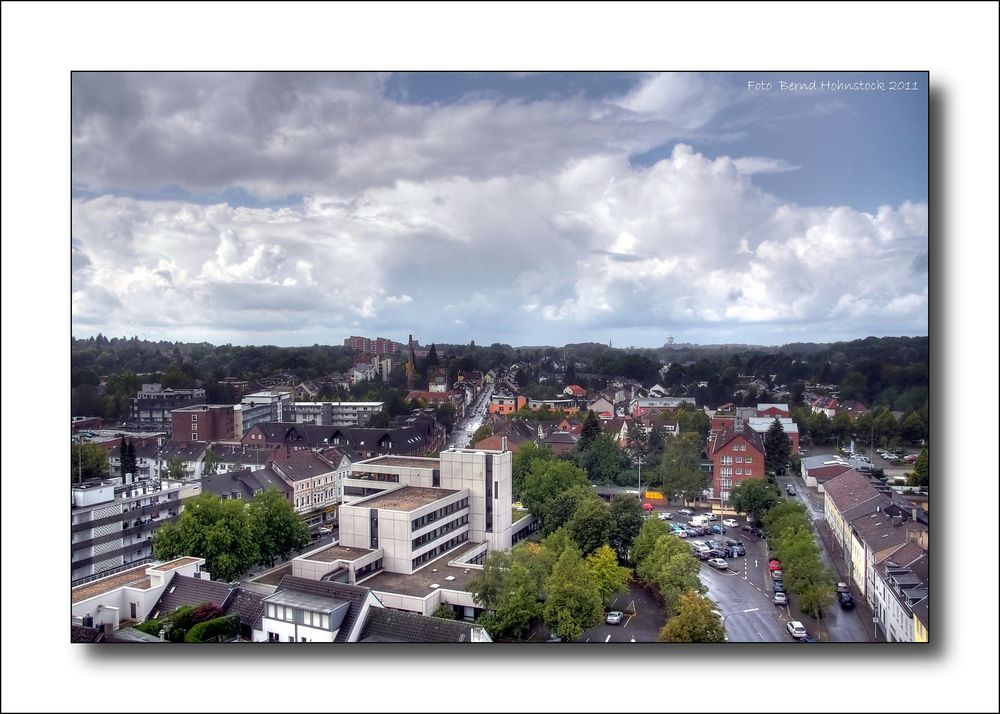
(353, 594)
(79, 633)
(186, 590)
(850, 489)
(248, 604)
(384, 625)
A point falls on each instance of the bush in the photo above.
(227, 626)
(445, 612)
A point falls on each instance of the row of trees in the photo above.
(878, 427)
(552, 581)
(233, 536)
(789, 530)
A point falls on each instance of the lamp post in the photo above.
(738, 612)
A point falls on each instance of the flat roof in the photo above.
(273, 577)
(306, 601)
(135, 578)
(407, 498)
(413, 462)
(174, 564)
(419, 584)
(337, 552)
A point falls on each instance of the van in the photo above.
(698, 521)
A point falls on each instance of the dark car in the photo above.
(733, 541)
(704, 554)
(779, 586)
(846, 600)
(737, 551)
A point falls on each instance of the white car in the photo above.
(326, 530)
(665, 516)
(718, 563)
(614, 617)
(796, 630)
(710, 517)
(686, 512)
(730, 523)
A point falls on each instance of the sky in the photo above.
(521, 208)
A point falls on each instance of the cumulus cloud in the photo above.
(505, 219)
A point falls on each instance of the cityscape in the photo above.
(601, 337)
(567, 358)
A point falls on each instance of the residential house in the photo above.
(190, 455)
(332, 413)
(245, 484)
(127, 596)
(575, 391)
(899, 585)
(314, 485)
(303, 610)
(736, 455)
(772, 411)
(152, 406)
(762, 424)
(112, 525)
(501, 403)
(602, 407)
(817, 470)
(203, 422)
(639, 406)
(853, 408)
(560, 441)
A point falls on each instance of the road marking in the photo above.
(607, 640)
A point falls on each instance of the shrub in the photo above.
(210, 629)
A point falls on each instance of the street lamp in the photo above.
(738, 612)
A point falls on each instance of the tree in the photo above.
(88, 461)
(176, 469)
(754, 496)
(625, 515)
(590, 525)
(777, 448)
(681, 467)
(483, 432)
(221, 532)
(694, 621)
(518, 605)
(561, 507)
(921, 470)
(445, 612)
(591, 430)
(693, 420)
(547, 479)
(651, 531)
(603, 459)
(210, 465)
(130, 462)
(432, 357)
(671, 568)
(488, 586)
(610, 577)
(278, 529)
(573, 601)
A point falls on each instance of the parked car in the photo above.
(614, 617)
(713, 543)
(737, 551)
(796, 629)
(777, 575)
(790, 490)
(774, 564)
(779, 586)
(842, 588)
(326, 530)
(718, 563)
(780, 599)
(730, 523)
(686, 512)
(703, 554)
(846, 600)
(733, 541)
(718, 529)
(665, 516)
(710, 517)
(910, 458)
(682, 534)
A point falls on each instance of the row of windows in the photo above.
(368, 476)
(368, 569)
(728, 460)
(439, 513)
(310, 619)
(440, 531)
(438, 550)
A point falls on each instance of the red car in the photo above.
(910, 458)
(774, 565)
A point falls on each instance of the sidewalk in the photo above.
(837, 556)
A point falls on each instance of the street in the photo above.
(462, 432)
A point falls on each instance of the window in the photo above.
(727, 460)
(194, 417)
(272, 636)
(739, 472)
(739, 459)
(749, 459)
(194, 436)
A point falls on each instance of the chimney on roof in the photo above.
(914, 513)
(897, 520)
